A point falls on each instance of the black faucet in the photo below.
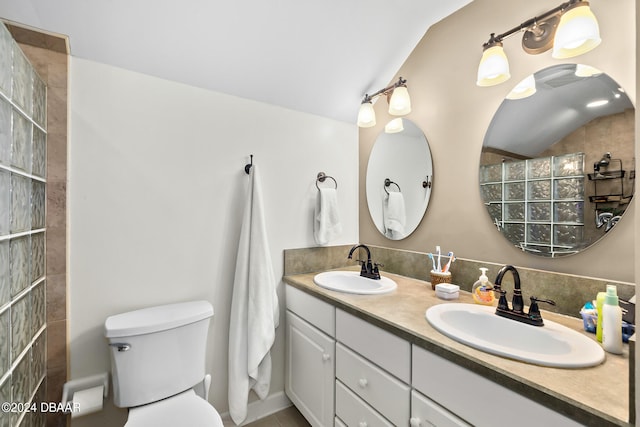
(368, 268)
(517, 311)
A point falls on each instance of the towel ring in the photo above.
(322, 177)
(387, 183)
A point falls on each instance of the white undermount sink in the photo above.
(549, 345)
(351, 282)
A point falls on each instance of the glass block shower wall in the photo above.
(538, 203)
(22, 236)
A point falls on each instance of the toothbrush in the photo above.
(451, 259)
(433, 262)
(439, 255)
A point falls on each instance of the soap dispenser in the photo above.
(482, 290)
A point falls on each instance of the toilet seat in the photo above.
(184, 409)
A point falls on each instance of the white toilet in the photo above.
(158, 362)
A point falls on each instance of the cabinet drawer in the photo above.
(426, 413)
(383, 348)
(465, 394)
(354, 412)
(382, 391)
(315, 311)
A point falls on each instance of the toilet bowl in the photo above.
(157, 358)
(184, 409)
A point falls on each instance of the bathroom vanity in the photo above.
(374, 360)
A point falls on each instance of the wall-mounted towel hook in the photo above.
(387, 183)
(322, 177)
(247, 167)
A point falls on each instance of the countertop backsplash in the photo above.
(569, 291)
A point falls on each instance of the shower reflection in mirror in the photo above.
(536, 178)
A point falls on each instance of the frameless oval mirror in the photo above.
(399, 179)
(557, 165)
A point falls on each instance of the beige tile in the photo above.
(56, 250)
(56, 204)
(56, 297)
(57, 345)
(270, 421)
(291, 417)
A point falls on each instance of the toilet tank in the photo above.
(157, 352)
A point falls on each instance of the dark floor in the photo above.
(289, 417)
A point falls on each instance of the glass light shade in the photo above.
(524, 89)
(586, 70)
(400, 103)
(366, 115)
(577, 32)
(394, 126)
(494, 67)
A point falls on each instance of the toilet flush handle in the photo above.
(121, 346)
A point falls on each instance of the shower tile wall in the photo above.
(23, 100)
(49, 55)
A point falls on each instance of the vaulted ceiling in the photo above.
(318, 57)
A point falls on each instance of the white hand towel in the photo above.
(254, 308)
(394, 215)
(326, 224)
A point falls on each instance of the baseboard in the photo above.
(263, 408)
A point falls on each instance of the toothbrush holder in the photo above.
(438, 277)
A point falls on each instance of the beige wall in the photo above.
(454, 114)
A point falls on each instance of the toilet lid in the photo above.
(184, 409)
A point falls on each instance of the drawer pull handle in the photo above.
(363, 424)
(325, 357)
(362, 382)
(415, 422)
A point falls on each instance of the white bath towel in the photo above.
(326, 224)
(394, 215)
(254, 308)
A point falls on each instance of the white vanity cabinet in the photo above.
(473, 398)
(310, 357)
(344, 371)
(373, 369)
(427, 413)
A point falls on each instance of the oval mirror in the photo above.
(557, 164)
(399, 179)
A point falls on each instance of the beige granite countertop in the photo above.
(597, 396)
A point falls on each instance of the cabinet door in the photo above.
(427, 413)
(310, 371)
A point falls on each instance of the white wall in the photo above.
(156, 182)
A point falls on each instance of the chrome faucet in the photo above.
(368, 268)
(516, 312)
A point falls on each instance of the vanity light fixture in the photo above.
(397, 96)
(586, 71)
(524, 89)
(571, 29)
(394, 126)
